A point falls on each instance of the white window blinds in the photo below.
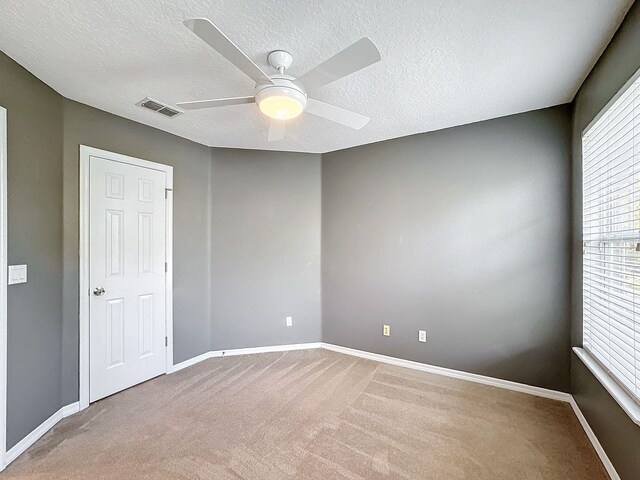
(611, 236)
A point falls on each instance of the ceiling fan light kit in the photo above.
(282, 97)
(281, 103)
(282, 100)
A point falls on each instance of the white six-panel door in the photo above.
(127, 326)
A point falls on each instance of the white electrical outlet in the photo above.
(422, 335)
(288, 321)
(386, 330)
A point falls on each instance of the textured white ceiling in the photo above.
(444, 62)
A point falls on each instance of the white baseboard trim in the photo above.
(192, 361)
(594, 441)
(40, 430)
(447, 372)
(244, 351)
(70, 409)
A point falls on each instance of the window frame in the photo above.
(629, 402)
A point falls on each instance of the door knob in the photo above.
(99, 291)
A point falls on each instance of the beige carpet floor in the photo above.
(313, 415)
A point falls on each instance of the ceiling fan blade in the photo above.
(336, 114)
(276, 130)
(207, 31)
(218, 102)
(356, 57)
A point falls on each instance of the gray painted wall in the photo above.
(619, 436)
(463, 232)
(35, 237)
(191, 243)
(265, 247)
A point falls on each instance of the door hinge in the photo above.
(166, 341)
(166, 192)
(166, 267)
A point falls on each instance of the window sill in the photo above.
(620, 395)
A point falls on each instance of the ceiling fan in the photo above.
(282, 97)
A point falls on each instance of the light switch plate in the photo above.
(386, 330)
(17, 274)
(289, 321)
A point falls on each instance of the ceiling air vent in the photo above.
(159, 107)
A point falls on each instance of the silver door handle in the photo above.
(99, 291)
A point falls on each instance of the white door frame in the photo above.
(3, 286)
(85, 154)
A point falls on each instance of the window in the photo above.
(611, 239)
